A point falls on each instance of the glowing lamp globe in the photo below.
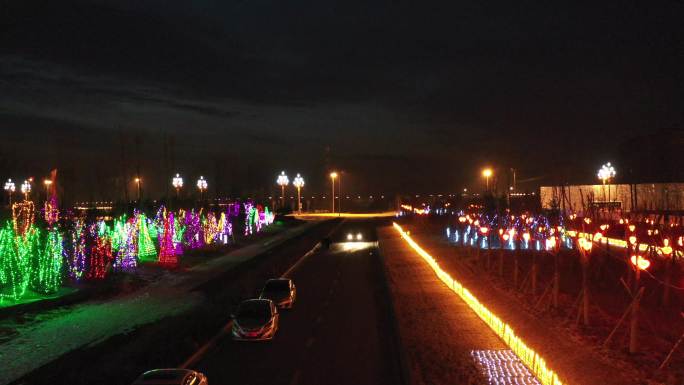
(298, 181)
(10, 186)
(282, 180)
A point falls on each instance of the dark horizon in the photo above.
(403, 98)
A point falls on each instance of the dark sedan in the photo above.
(172, 377)
(255, 320)
(281, 291)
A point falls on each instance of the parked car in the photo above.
(281, 291)
(255, 319)
(172, 377)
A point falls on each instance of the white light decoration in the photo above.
(606, 172)
(503, 367)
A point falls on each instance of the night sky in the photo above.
(402, 96)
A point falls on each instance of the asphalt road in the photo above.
(339, 331)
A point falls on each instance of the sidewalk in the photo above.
(59, 331)
(437, 330)
(575, 363)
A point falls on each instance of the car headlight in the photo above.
(359, 237)
(350, 237)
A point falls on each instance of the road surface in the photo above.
(339, 331)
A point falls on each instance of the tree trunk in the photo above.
(515, 269)
(634, 323)
(585, 293)
(534, 273)
(556, 280)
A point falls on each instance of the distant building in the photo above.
(644, 197)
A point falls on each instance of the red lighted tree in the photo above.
(167, 248)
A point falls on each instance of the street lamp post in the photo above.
(138, 181)
(333, 175)
(26, 189)
(605, 174)
(202, 186)
(10, 187)
(299, 183)
(177, 183)
(282, 181)
(47, 183)
(487, 173)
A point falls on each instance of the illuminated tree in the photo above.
(146, 249)
(193, 238)
(126, 257)
(100, 255)
(167, 248)
(77, 252)
(210, 228)
(47, 278)
(14, 271)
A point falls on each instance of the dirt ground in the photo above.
(575, 351)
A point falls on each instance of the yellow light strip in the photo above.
(526, 354)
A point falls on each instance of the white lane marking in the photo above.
(300, 260)
(292, 268)
(208, 345)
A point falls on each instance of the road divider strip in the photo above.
(527, 355)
